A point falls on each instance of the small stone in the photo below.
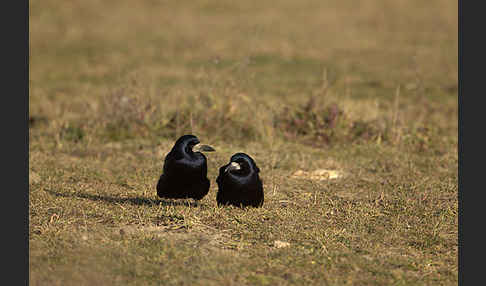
(113, 145)
(319, 174)
(280, 244)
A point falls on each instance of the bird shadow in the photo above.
(134, 201)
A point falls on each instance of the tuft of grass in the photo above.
(72, 133)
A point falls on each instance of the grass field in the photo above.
(368, 89)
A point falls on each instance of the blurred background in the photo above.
(319, 72)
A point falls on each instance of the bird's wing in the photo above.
(221, 173)
(169, 162)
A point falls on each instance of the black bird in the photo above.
(239, 183)
(185, 170)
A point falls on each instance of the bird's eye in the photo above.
(189, 148)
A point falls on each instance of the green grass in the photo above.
(369, 89)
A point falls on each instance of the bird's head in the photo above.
(190, 144)
(242, 164)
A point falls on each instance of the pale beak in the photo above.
(202, 148)
(232, 166)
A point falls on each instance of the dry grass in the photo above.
(369, 89)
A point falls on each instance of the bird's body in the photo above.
(239, 183)
(185, 171)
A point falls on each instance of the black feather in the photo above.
(185, 172)
(241, 187)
